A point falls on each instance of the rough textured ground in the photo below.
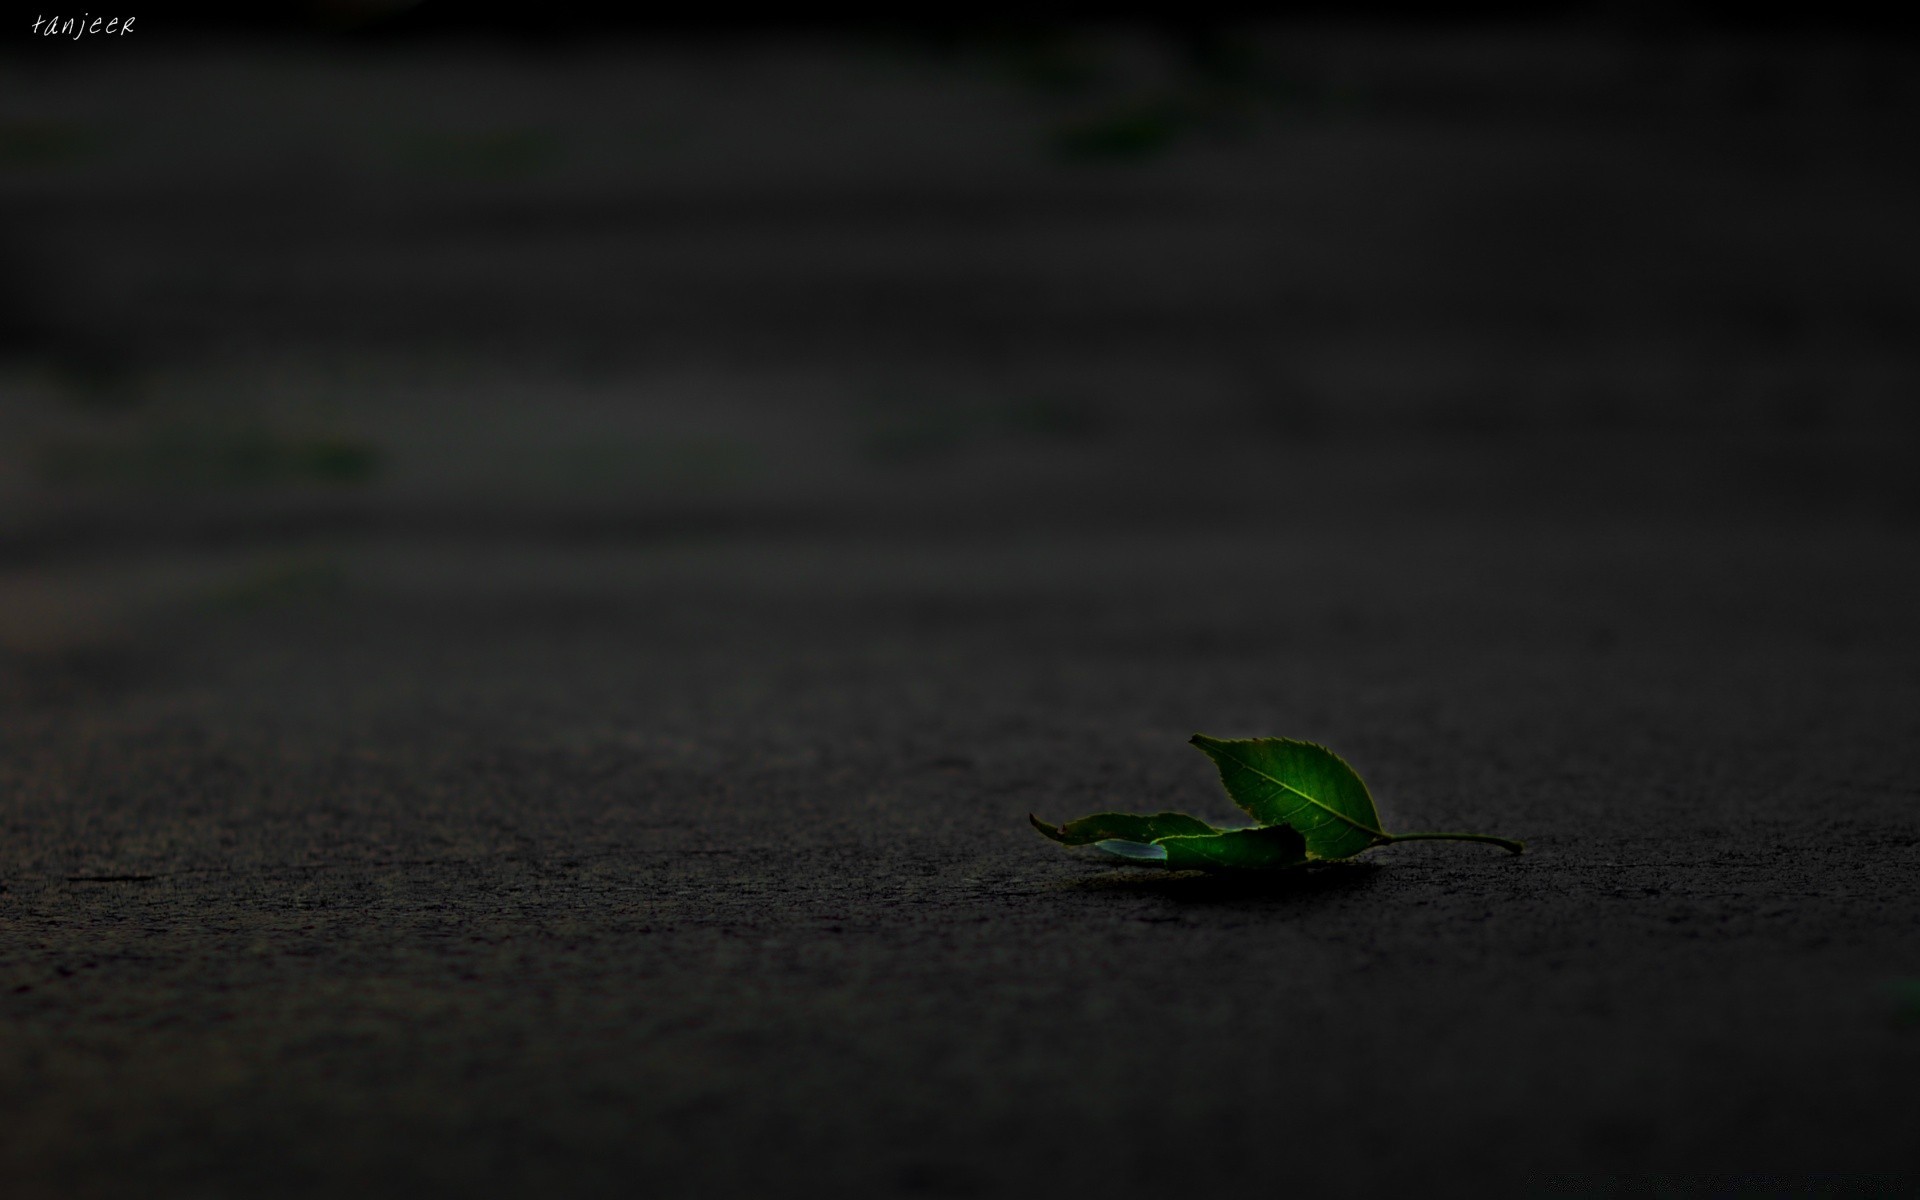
(707, 864)
(624, 787)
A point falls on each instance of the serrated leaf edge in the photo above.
(1201, 741)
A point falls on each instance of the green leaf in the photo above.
(1310, 804)
(1122, 827)
(1280, 781)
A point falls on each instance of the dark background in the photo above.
(544, 564)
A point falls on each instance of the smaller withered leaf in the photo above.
(1180, 842)
(1122, 827)
(1261, 849)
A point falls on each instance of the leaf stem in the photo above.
(1507, 844)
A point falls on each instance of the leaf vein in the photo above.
(1317, 803)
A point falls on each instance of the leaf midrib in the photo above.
(1315, 801)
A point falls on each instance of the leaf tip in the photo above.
(1057, 832)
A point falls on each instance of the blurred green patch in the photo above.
(191, 458)
(492, 154)
(1207, 82)
(1129, 94)
(899, 431)
(281, 583)
(1144, 128)
(30, 145)
(1906, 1002)
(1132, 133)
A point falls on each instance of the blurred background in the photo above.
(384, 270)
(545, 558)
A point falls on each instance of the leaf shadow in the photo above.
(1259, 888)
